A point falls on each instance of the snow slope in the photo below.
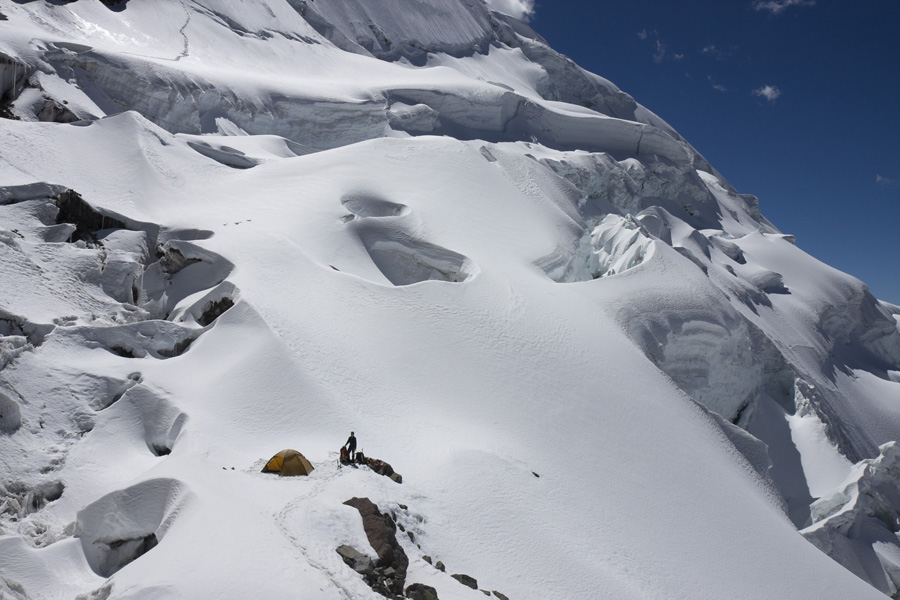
(229, 228)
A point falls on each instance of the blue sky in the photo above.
(795, 101)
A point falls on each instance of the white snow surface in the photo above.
(230, 228)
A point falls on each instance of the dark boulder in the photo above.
(466, 580)
(214, 309)
(420, 591)
(355, 559)
(52, 111)
(385, 581)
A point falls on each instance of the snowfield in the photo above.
(230, 228)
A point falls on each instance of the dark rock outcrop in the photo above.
(54, 112)
(420, 591)
(214, 310)
(466, 580)
(124, 551)
(87, 220)
(389, 574)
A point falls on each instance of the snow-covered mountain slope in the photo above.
(229, 228)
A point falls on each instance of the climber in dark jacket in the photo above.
(351, 446)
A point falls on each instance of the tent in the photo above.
(287, 463)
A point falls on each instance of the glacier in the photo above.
(229, 228)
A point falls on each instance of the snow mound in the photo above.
(122, 526)
(365, 205)
(205, 307)
(404, 260)
(160, 421)
(244, 151)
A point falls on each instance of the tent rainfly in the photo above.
(288, 463)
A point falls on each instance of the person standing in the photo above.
(351, 446)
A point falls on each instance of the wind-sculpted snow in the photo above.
(108, 261)
(229, 228)
(122, 526)
(244, 151)
(363, 205)
(146, 270)
(404, 261)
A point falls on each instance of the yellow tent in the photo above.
(287, 463)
